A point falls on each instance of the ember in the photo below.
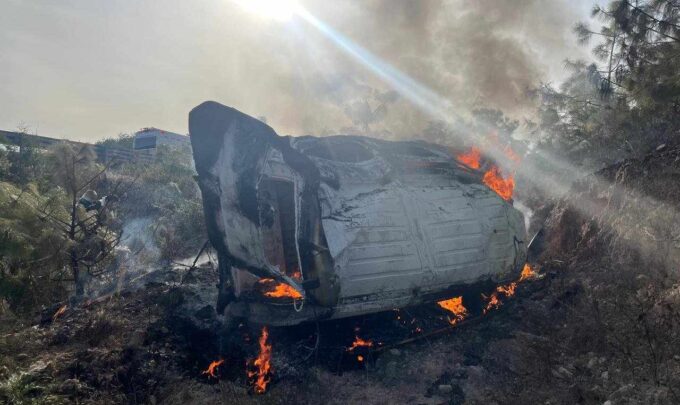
(359, 342)
(61, 311)
(493, 303)
(503, 186)
(279, 290)
(262, 374)
(471, 159)
(211, 371)
(454, 305)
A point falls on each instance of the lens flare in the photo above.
(438, 107)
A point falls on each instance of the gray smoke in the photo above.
(102, 68)
(483, 53)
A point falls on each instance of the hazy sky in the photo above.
(88, 69)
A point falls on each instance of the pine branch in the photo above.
(641, 11)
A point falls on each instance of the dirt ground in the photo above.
(150, 345)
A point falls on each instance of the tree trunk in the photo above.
(75, 263)
(77, 279)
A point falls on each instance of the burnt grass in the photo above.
(151, 345)
(601, 323)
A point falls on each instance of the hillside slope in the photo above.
(601, 323)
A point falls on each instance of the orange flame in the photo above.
(360, 358)
(455, 306)
(61, 311)
(262, 364)
(495, 301)
(471, 159)
(508, 290)
(527, 273)
(283, 290)
(211, 371)
(359, 342)
(503, 186)
(279, 290)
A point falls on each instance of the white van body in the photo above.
(355, 225)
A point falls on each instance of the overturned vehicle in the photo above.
(309, 228)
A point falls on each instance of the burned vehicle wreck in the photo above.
(311, 228)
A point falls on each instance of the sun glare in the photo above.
(282, 10)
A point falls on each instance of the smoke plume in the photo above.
(102, 68)
(486, 53)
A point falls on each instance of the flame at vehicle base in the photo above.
(359, 342)
(455, 306)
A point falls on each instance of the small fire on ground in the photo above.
(360, 343)
(494, 301)
(260, 368)
(527, 273)
(211, 371)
